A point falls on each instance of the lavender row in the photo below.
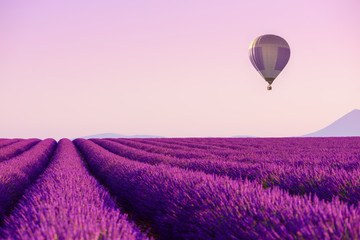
(180, 204)
(178, 153)
(334, 152)
(66, 202)
(260, 143)
(161, 142)
(19, 172)
(325, 148)
(6, 142)
(174, 148)
(304, 143)
(283, 157)
(267, 144)
(227, 154)
(177, 144)
(16, 148)
(180, 142)
(325, 182)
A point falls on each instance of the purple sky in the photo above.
(173, 68)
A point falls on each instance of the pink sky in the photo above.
(173, 68)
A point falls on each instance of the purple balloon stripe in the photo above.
(253, 63)
(256, 58)
(283, 58)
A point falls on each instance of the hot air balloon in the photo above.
(269, 55)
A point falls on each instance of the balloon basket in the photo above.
(269, 87)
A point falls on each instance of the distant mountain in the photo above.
(115, 135)
(346, 126)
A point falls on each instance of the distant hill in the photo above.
(115, 135)
(346, 126)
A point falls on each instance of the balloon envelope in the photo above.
(269, 54)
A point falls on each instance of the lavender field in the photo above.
(180, 188)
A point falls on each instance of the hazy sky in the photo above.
(173, 68)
